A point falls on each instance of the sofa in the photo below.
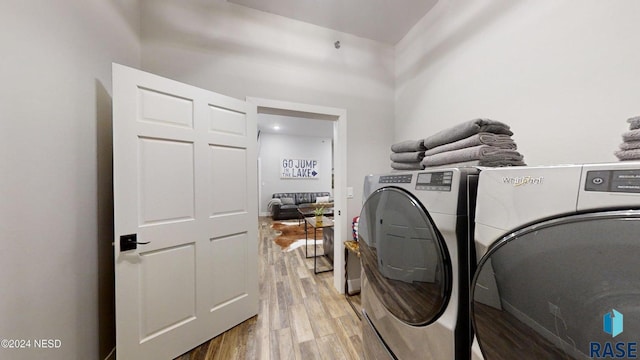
(284, 206)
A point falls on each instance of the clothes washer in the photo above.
(415, 244)
(559, 269)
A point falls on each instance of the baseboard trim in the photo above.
(354, 285)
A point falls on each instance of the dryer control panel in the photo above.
(434, 181)
(625, 181)
(396, 179)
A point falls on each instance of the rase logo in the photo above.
(613, 324)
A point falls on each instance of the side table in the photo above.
(311, 221)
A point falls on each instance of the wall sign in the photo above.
(298, 169)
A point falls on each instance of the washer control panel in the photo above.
(434, 181)
(396, 179)
(625, 181)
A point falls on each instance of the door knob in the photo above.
(130, 242)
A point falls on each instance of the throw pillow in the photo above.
(288, 201)
(322, 199)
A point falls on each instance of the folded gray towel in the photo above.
(406, 166)
(485, 163)
(483, 138)
(629, 145)
(465, 130)
(488, 154)
(631, 135)
(408, 146)
(633, 154)
(456, 165)
(407, 157)
(501, 162)
(634, 122)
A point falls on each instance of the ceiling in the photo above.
(386, 21)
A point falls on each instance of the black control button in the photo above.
(597, 180)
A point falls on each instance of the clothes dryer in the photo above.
(415, 242)
(559, 269)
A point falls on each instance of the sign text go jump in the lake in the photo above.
(298, 169)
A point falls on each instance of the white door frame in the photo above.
(340, 173)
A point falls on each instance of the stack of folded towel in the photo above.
(406, 155)
(480, 142)
(630, 148)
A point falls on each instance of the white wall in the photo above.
(276, 147)
(563, 74)
(56, 221)
(241, 52)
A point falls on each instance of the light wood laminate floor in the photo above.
(300, 316)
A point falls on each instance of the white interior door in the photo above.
(185, 185)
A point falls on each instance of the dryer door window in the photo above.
(563, 289)
(404, 256)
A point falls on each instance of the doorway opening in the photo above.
(338, 118)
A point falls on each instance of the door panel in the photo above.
(227, 127)
(165, 108)
(166, 181)
(227, 272)
(166, 307)
(228, 122)
(228, 182)
(185, 183)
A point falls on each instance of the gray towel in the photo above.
(408, 146)
(274, 201)
(490, 155)
(633, 154)
(406, 166)
(630, 145)
(634, 122)
(501, 162)
(485, 163)
(466, 129)
(483, 138)
(407, 157)
(631, 135)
